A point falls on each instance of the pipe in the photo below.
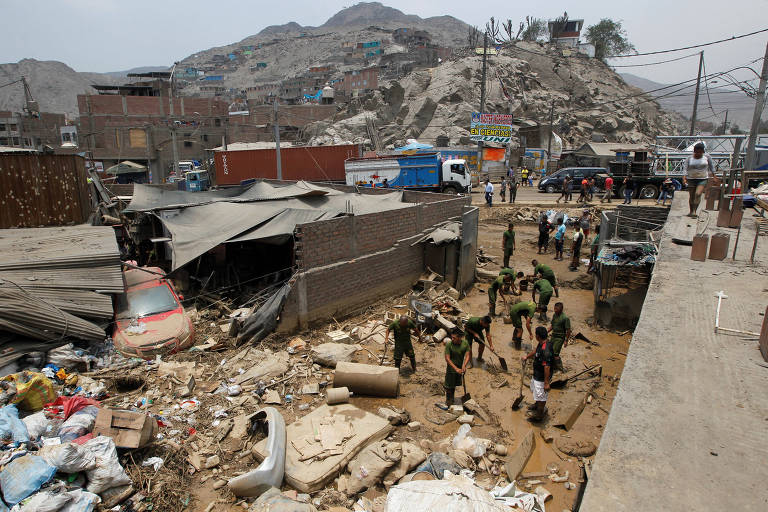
(366, 379)
(337, 395)
(720, 296)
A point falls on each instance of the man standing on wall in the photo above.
(697, 170)
(402, 329)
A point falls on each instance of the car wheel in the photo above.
(649, 192)
(551, 189)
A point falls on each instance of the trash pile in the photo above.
(639, 254)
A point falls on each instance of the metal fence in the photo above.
(43, 190)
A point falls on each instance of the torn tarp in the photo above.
(446, 233)
(263, 321)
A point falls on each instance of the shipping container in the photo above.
(310, 163)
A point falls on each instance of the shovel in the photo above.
(519, 399)
(564, 379)
(466, 396)
(502, 361)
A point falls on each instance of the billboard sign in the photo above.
(495, 128)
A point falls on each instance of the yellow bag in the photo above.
(33, 390)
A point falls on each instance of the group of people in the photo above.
(509, 184)
(581, 229)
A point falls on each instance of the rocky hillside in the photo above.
(54, 85)
(587, 97)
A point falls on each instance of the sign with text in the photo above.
(490, 128)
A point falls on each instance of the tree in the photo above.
(609, 38)
(492, 28)
(533, 29)
(473, 37)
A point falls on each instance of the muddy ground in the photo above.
(184, 488)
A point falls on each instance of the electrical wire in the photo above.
(732, 38)
(655, 63)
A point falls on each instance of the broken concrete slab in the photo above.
(268, 365)
(330, 354)
(444, 323)
(312, 475)
(570, 407)
(338, 337)
(520, 455)
(473, 407)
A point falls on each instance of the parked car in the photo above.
(149, 317)
(554, 182)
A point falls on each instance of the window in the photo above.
(3, 141)
(217, 122)
(187, 143)
(457, 169)
(65, 137)
(205, 137)
(13, 127)
(137, 138)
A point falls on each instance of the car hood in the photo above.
(158, 328)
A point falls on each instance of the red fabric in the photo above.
(83, 439)
(69, 405)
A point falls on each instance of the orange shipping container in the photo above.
(311, 163)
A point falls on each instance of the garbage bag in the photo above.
(108, 472)
(455, 494)
(66, 406)
(24, 476)
(412, 457)
(79, 424)
(467, 443)
(274, 501)
(44, 501)
(368, 466)
(12, 429)
(37, 424)
(438, 463)
(68, 457)
(33, 390)
(67, 357)
(82, 501)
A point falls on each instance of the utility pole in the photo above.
(725, 123)
(482, 100)
(276, 124)
(173, 132)
(549, 136)
(696, 96)
(749, 162)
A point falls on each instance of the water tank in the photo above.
(328, 92)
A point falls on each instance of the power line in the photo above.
(655, 63)
(732, 38)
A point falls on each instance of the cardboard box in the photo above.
(128, 429)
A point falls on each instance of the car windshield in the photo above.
(145, 302)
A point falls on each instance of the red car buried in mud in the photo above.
(149, 318)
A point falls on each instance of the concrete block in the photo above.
(699, 247)
(724, 215)
(718, 246)
(737, 212)
(445, 323)
(570, 411)
(338, 337)
(713, 194)
(466, 419)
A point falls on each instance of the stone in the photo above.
(414, 425)
(338, 337)
(467, 419)
(212, 461)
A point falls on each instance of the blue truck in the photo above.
(422, 171)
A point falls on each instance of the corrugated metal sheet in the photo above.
(311, 163)
(43, 190)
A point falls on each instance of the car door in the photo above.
(578, 175)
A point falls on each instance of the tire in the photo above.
(550, 189)
(649, 191)
(450, 190)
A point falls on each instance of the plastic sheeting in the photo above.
(263, 320)
(455, 494)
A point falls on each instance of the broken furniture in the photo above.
(270, 472)
(323, 442)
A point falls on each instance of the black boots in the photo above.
(449, 396)
(492, 310)
(413, 362)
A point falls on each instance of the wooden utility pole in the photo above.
(749, 161)
(725, 123)
(276, 124)
(482, 101)
(172, 127)
(549, 136)
(696, 96)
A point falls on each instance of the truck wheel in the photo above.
(551, 189)
(450, 190)
(649, 192)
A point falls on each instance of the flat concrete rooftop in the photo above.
(688, 429)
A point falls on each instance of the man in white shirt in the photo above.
(488, 193)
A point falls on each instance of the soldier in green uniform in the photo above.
(508, 242)
(457, 354)
(402, 329)
(511, 272)
(516, 312)
(473, 330)
(539, 269)
(560, 333)
(545, 293)
(497, 288)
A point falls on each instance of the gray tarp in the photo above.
(200, 226)
(263, 321)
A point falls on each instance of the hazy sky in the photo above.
(112, 35)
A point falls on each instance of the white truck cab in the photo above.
(456, 176)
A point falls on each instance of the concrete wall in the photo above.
(346, 263)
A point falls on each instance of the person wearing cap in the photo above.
(457, 354)
(478, 329)
(697, 169)
(543, 361)
(545, 294)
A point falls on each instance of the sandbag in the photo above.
(79, 424)
(22, 477)
(274, 501)
(412, 457)
(68, 457)
(369, 466)
(12, 429)
(33, 390)
(328, 354)
(108, 472)
(454, 494)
